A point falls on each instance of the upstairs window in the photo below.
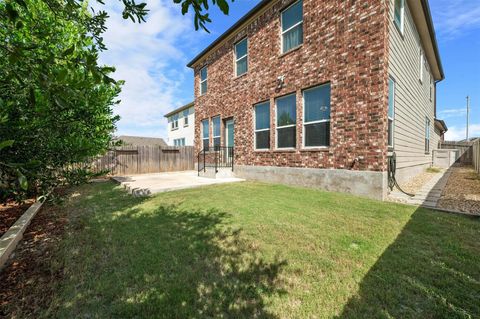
(205, 134)
(292, 26)
(216, 131)
(427, 135)
(262, 126)
(399, 14)
(316, 118)
(241, 57)
(175, 122)
(391, 110)
(185, 117)
(286, 121)
(203, 81)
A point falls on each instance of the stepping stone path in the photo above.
(428, 195)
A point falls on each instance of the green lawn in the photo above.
(254, 250)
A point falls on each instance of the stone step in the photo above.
(208, 172)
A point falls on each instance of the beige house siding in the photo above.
(412, 98)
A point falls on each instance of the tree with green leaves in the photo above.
(56, 101)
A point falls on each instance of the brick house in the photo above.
(321, 93)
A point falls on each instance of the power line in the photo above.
(468, 114)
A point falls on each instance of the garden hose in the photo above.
(392, 169)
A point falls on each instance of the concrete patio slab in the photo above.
(148, 184)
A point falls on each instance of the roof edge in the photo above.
(229, 31)
(181, 108)
(431, 30)
(263, 3)
(442, 124)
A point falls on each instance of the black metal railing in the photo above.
(215, 157)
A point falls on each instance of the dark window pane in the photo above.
(203, 87)
(242, 66)
(216, 126)
(317, 134)
(293, 38)
(292, 15)
(205, 144)
(286, 137)
(203, 74)
(262, 116)
(216, 141)
(317, 103)
(241, 48)
(286, 110)
(205, 129)
(262, 140)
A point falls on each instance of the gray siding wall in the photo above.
(412, 98)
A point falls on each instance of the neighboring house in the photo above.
(321, 93)
(141, 141)
(181, 126)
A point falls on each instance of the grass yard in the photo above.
(254, 250)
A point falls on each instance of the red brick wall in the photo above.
(346, 44)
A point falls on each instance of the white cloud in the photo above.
(148, 58)
(452, 113)
(457, 133)
(453, 17)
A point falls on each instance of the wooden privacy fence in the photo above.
(145, 159)
(476, 155)
(465, 150)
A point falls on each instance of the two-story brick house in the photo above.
(321, 93)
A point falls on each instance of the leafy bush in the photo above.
(56, 102)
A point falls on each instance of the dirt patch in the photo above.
(462, 192)
(27, 280)
(414, 185)
(10, 212)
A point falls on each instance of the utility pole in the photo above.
(468, 113)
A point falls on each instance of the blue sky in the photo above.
(152, 57)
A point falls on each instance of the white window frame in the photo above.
(391, 146)
(286, 126)
(262, 130)
(422, 65)
(401, 27)
(202, 131)
(179, 142)
(175, 122)
(186, 113)
(292, 27)
(312, 122)
(219, 129)
(203, 81)
(240, 58)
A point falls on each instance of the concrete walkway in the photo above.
(148, 184)
(428, 195)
